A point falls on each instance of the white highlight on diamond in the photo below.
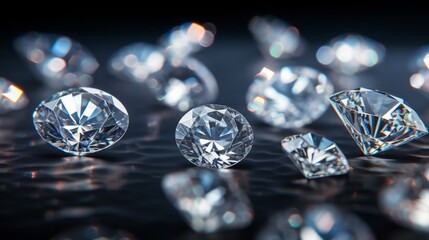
(214, 136)
(377, 121)
(208, 200)
(11, 96)
(81, 120)
(289, 98)
(315, 156)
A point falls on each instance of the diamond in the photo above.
(315, 156)
(406, 200)
(350, 53)
(11, 96)
(214, 136)
(183, 84)
(81, 120)
(275, 37)
(209, 200)
(377, 121)
(136, 62)
(57, 60)
(289, 98)
(420, 81)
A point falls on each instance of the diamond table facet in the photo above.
(11, 96)
(214, 136)
(377, 121)
(315, 156)
(81, 120)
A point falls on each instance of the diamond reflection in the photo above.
(57, 60)
(351, 53)
(94, 232)
(11, 96)
(209, 200)
(275, 37)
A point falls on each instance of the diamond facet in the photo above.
(11, 96)
(209, 200)
(377, 121)
(350, 53)
(81, 120)
(183, 84)
(289, 98)
(275, 37)
(214, 136)
(57, 60)
(315, 156)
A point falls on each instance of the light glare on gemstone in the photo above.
(11, 96)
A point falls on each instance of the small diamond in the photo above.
(420, 81)
(57, 60)
(11, 96)
(315, 156)
(377, 121)
(289, 98)
(214, 136)
(350, 53)
(209, 200)
(81, 120)
(406, 200)
(136, 62)
(276, 38)
(183, 84)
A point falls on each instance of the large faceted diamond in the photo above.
(57, 60)
(11, 96)
(214, 136)
(209, 200)
(315, 156)
(81, 120)
(289, 98)
(377, 121)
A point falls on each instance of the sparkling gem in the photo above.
(350, 53)
(289, 98)
(406, 200)
(57, 60)
(11, 96)
(209, 200)
(420, 81)
(315, 156)
(81, 120)
(136, 62)
(377, 121)
(93, 232)
(275, 37)
(183, 84)
(214, 136)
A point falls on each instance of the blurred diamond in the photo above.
(94, 232)
(11, 96)
(283, 225)
(420, 60)
(276, 38)
(377, 121)
(315, 156)
(289, 98)
(136, 62)
(351, 53)
(208, 200)
(81, 120)
(407, 199)
(214, 136)
(57, 60)
(183, 84)
(187, 38)
(420, 81)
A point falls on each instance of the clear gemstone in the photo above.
(420, 81)
(289, 98)
(137, 62)
(350, 53)
(57, 60)
(209, 200)
(407, 199)
(93, 232)
(275, 37)
(11, 96)
(377, 121)
(81, 120)
(214, 136)
(183, 84)
(315, 156)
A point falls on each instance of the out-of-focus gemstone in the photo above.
(350, 53)
(57, 60)
(11, 96)
(420, 81)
